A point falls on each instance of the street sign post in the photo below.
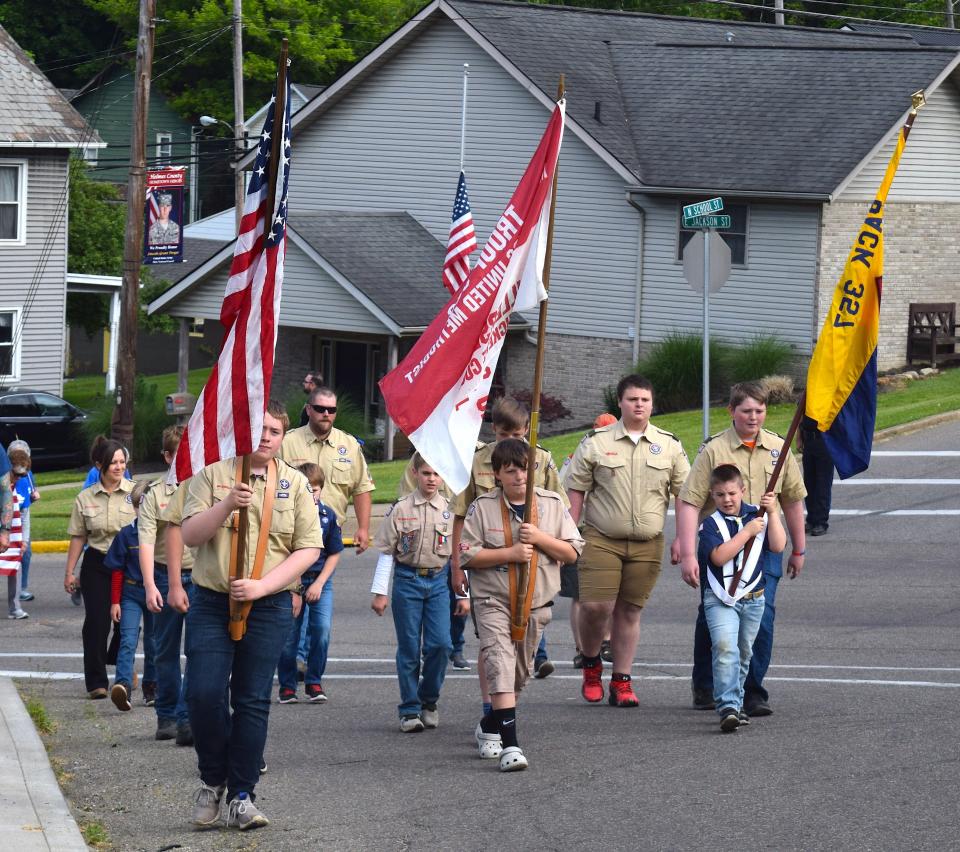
(707, 222)
(703, 208)
(706, 266)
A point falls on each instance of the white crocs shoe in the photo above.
(489, 745)
(512, 759)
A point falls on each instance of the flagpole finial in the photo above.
(918, 100)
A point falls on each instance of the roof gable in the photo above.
(33, 112)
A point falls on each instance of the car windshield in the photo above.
(52, 406)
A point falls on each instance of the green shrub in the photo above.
(675, 367)
(149, 420)
(763, 355)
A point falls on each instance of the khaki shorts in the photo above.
(507, 669)
(612, 568)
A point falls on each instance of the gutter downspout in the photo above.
(639, 286)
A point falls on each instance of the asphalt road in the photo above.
(861, 752)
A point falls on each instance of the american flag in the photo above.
(153, 209)
(462, 241)
(228, 419)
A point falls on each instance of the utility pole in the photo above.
(239, 130)
(778, 14)
(949, 23)
(122, 428)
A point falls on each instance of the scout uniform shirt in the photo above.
(151, 523)
(100, 515)
(629, 483)
(483, 528)
(755, 467)
(417, 532)
(172, 513)
(482, 479)
(339, 456)
(293, 526)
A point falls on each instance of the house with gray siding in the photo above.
(661, 111)
(38, 131)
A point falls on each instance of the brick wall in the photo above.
(292, 360)
(576, 369)
(921, 264)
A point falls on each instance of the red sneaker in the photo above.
(592, 688)
(622, 694)
(315, 693)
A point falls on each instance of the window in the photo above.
(196, 327)
(12, 197)
(735, 236)
(53, 406)
(9, 345)
(164, 148)
(90, 155)
(18, 405)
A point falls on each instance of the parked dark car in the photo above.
(50, 425)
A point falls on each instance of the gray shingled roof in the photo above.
(720, 104)
(196, 252)
(389, 256)
(928, 36)
(32, 109)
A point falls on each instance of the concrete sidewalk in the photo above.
(34, 814)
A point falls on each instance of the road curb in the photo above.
(915, 425)
(34, 804)
(50, 546)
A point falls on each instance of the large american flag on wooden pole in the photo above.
(228, 419)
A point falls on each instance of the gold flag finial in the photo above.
(917, 100)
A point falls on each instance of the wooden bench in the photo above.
(932, 335)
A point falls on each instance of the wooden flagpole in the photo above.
(238, 613)
(917, 100)
(523, 581)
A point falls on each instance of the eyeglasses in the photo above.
(324, 409)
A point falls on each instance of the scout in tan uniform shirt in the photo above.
(340, 455)
(629, 469)
(229, 746)
(483, 549)
(754, 450)
(99, 513)
(417, 534)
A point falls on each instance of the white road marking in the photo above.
(574, 677)
(856, 480)
(916, 453)
(898, 512)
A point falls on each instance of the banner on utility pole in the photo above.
(163, 216)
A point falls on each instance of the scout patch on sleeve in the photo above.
(408, 542)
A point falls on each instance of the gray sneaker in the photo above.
(166, 729)
(411, 724)
(430, 716)
(244, 814)
(206, 811)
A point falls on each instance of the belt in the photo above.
(130, 582)
(427, 572)
(501, 569)
(749, 596)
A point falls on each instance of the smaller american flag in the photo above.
(462, 241)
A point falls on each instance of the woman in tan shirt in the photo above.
(99, 513)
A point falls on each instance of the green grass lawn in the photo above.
(917, 400)
(85, 391)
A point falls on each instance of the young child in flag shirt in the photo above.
(10, 561)
(414, 541)
(733, 620)
(487, 551)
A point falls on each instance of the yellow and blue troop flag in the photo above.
(842, 377)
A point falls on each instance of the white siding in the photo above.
(394, 144)
(34, 275)
(773, 292)
(311, 299)
(930, 165)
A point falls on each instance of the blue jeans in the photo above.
(25, 566)
(320, 618)
(458, 623)
(421, 616)
(229, 745)
(732, 631)
(133, 605)
(171, 700)
(762, 645)
(541, 648)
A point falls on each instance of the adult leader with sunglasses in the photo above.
(340, 455)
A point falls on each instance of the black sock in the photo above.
(488, 724)
(619, 676)
(590, 662)
(507, 722)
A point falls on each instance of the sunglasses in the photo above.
(324, 409)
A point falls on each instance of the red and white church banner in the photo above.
(438, 393)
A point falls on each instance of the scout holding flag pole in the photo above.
(841, 393)
(239, 619)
